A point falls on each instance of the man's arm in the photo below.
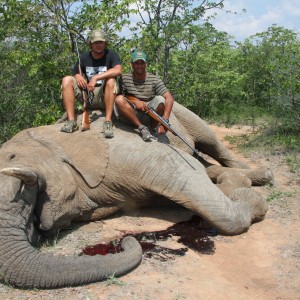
(110, 73)
(79, 76)
(168, 104)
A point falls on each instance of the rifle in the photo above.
(85, 124)
(154, 115)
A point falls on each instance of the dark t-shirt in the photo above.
(91, 66)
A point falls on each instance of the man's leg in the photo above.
(68, 96)
(157, 104)
(127, 112)
(109, 97)
(157, 130)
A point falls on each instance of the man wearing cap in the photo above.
(100, 67)
(148, 90)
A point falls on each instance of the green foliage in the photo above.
(265, 139)
(270, 62)
(208, 79)
(112, 280)
(276, 195)
(34, 57)
(163, 26)
(294, 163)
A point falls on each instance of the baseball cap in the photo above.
(137, 55)
(97, 35)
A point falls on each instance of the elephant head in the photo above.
(27, 208)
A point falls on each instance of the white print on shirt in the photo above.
(91, 71)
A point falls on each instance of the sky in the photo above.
(259, 15)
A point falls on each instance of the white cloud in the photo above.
(257, 17)
(291, 7)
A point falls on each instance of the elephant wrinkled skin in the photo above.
(49, 179)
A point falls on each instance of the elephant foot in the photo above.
(227, 182)
(258, 176)
(253, 203)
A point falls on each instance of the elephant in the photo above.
(49, 179)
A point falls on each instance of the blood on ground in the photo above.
(189, 233)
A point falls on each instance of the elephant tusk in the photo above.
(27, 176)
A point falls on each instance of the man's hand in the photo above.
(140, 105)
(81, 81)
(92, 83)
(161, 129)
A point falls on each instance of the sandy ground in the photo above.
(262, 263)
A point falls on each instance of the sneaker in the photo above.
(153, 133)
(162, 138)
(69, 127)
(146, 136)
(107, 129)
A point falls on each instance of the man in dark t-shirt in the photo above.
(141, 89)
(100, 67)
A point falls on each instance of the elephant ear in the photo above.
(86, 152)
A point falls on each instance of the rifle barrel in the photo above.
(158, 118)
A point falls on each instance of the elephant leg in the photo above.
(229, 217)
(258, 176)
(179, 177)
(205, 139)
(188, 185)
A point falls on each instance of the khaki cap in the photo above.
(97, 35)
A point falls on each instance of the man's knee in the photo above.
(161, 107)
(120, 101)
(67, 81)
(110, 83)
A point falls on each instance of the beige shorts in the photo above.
(98, 99)
(145, 118)
(142, 116)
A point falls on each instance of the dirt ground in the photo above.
(262, 263)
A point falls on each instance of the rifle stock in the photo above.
(154, 115)
(85, 123)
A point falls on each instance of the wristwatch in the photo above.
(166, 120)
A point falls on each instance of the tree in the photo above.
(204, 75)
(164, 25)
(270, 63)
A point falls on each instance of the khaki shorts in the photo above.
(142, 116)
(98, 100)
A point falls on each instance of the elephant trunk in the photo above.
(23, 266)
